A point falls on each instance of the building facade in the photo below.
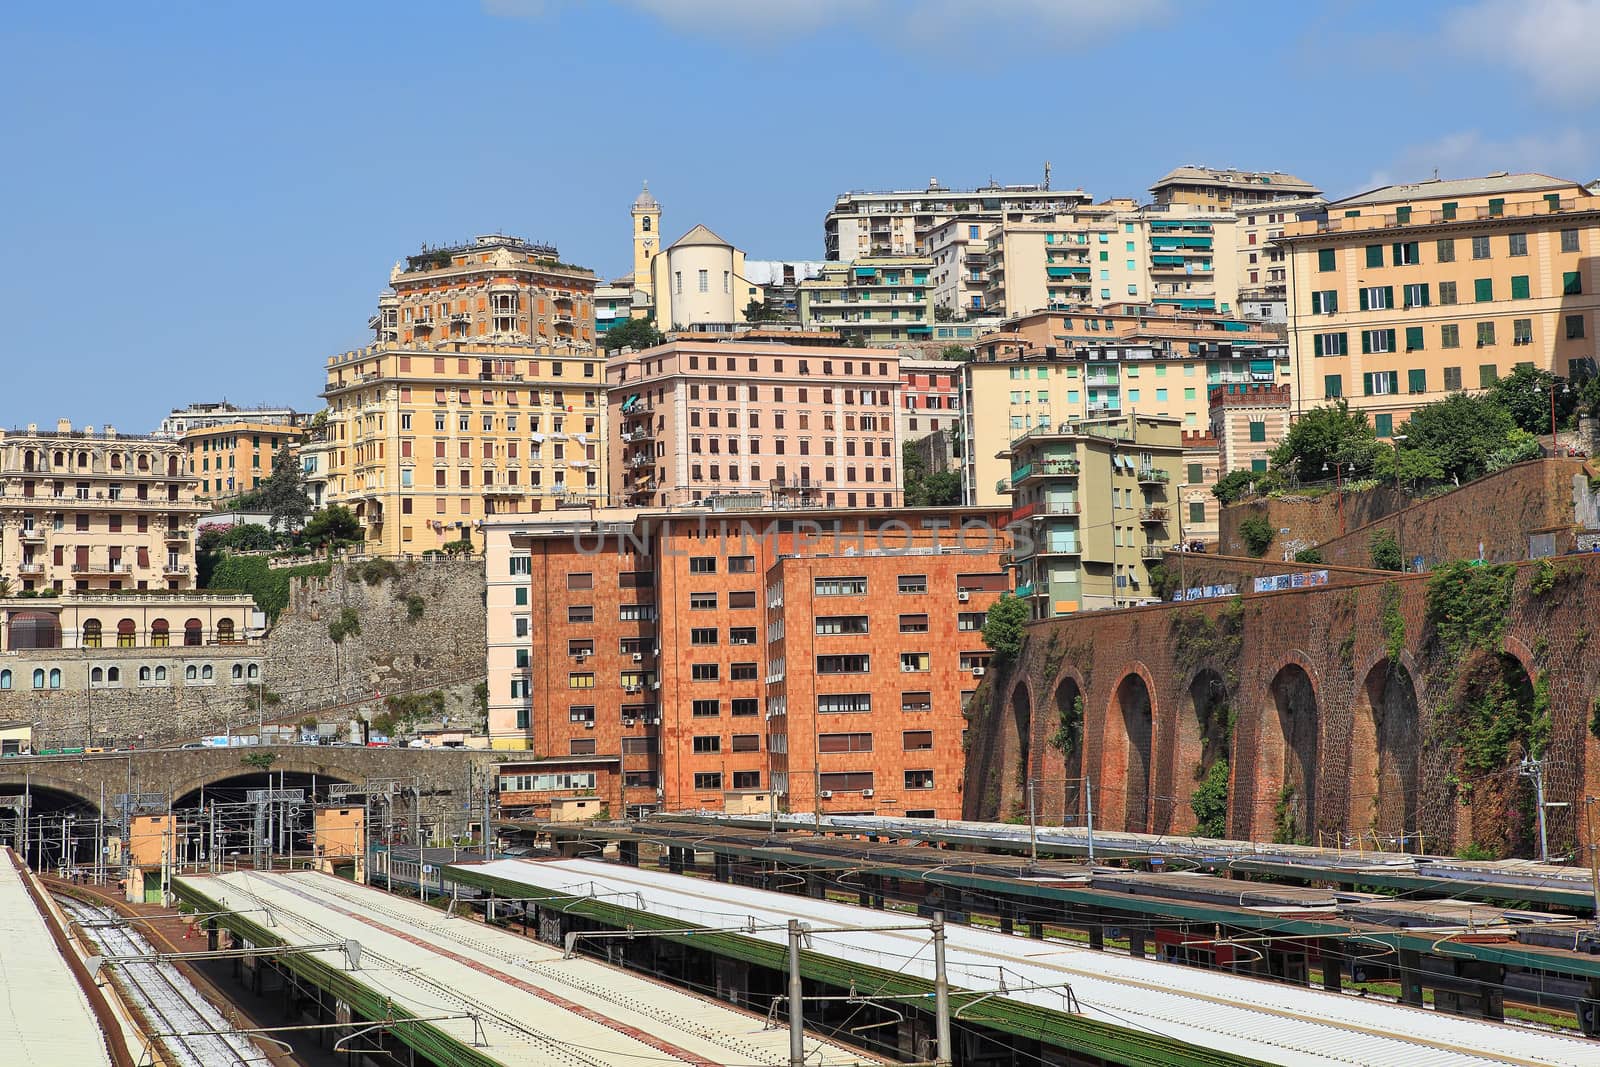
(229, 458)
(930, 397)
(959, 250)
(1049, 367)
(221, 413)
(85, 510)
(1248, 421)
(654, 649)
(699, 284)
(1099, 500)
(1408, 293)
(863, 225)
(795, 425)
(878, 301)
(1223, 189)
(423, 442)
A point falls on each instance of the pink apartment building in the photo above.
(755, 423)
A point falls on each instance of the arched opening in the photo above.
(1385, 746)
(113, 675)
(254, 671)
(1022, 728)
(237, 672)
(161, 674)
(61, 829)
(38, 678)
(160, 634)
(127, 633)
(55, 677)
(1285, 779)
(193, 632)
(5, 679)
(190, 673)
(1065, 798)
(1490, 718)
(33, 630)
(1134, 712)
(224, 630)
(207, 674)
(144, 674)
(97, 676)
(91, 633)
(1207, 738)
(144, 461)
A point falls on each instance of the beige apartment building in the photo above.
(422, 442)
(877, 301)
(1408, 293)
(1097, 497)
(232, 458)
(1102, 363)
(1247, 422)
(1115, 252)
(757, 420)
(863, 225)
(1223, 189)
(959, 250)
(88, 510)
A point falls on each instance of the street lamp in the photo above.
(1564, 390)
(1399, 538)
(1338, 481)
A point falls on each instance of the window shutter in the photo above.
(1425, 300)
(1399, 253)
(1366, 342)
(1366, 384)
(1571, 283)
(1325, 259)
(1316, 345)
(1333, 385)
(1363, 300)
(1388, 296)
(1388, 335)
(1413, 338)
(1374, 255)
(1344, 345)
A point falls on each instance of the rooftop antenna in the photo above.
(1047, 175)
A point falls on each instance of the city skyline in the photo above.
(230, 155)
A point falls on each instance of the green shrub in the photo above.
(269, 586)
(415, 606)
(1210, 801)
(1257, 533)
(1309, 555)
(1384, 550)
(346, 625)
(377, 571)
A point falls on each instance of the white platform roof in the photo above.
(536, 1008)
(1270, 1021)
(45, 1019)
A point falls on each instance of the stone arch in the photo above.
(1060, 795)
(1018, 750)
(1384, 798)
(1127, 752)
(41, 777)
(186, 788)
(1495, 688)
(1279, 801)
(1199, 736)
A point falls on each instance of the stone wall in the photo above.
(1190, 570)
(1308, 520)
(1340, 709)
(444, 648)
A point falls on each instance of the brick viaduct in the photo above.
(1340, 708)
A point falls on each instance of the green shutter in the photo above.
(1413, 338)
(1316, 345)
(1258, 431)
(1363, 300)
(1325, 259)
(1383, 425)
(1196, 474)
(1388, 296)
(1554, 200)
(1402, 215)
(1399, 253)
(1258, 466)
(1497, 205)
(1417, 380)
(1425, 297)
(1483, 290)
(1366, 384)
(1389, 337)
(1449, 210)
(1332, 385)
(1366, 342)
(1374, 255)
(1571, 283)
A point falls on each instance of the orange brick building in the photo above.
(651, 649)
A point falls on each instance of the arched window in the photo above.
(127, 631)
(38, 679)
(160, 634)
(172, 466)
(144, 674)
(144, 462)
(647, 224)
(161, 674)
(254, 671)
(83, 459)
(113, 675)
(33, 629)
(55, 677)
(206, 673)
(238, 671)
(5, 679)
(61, 459)
(97, 676)
(193, 632)
(91, 633)
(189, 673)
(224, 630)
(116, 461)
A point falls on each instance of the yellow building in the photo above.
(882, 300)
(699, 284)
(1096, 498)
(1099, 363)
(1223, 189)
(423, 442)
(229, 459)
(646, 242)
(1408, 293)
(87, 510)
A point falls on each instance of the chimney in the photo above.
(33, 427)
(111, 432)
(63, 426)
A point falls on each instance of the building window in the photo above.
(707, 781)
(1522, 331)
(916, 740)
(1413, 338)
(1258, 430)
(743, 706)
(1326, 259)
(841, 624)
(1485, 334)
(1333, 386)
(1574, 327)
(860, 742)
(1325, 302)
(1383, 425)
(1488, 374)
(839, 586)
(703, 635)
(702, 565)
(913, 583)
(1571, 283)
(1480, 248)
(705, 744)
(1517, 243)
(707, 709)
(1446, 250)
(919, 779)
(704, 672)
(1452, 379)
(844, 703)
(1569, 240)
(858, 664)
(915, 662)
(1449, 335)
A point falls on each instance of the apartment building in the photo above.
(221, 413)
(423, 441)
(1098, 498)
(930, 397)
(88, 510)
(641, 656)
(1115, 252)
(795, 425)
(1200, 511)
(1248, 421)
(1223, 189)
(613, 304)
(863, 225)
(1125, 359)
(495, 289)
(229, 458)
(959, 250)
(1263, 272)
(1408, 293)
(877, 301)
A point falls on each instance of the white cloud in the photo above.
(888, 20)
(1551, 42)
(1468, 154)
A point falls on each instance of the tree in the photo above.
(955, 353)
(332, 525)
(1525, 394)
(634, 333)
(1328, 436)
(283, 495)
(1233, 486)
(1385, 551)
(1003, 627)
(943, 314)
(923, 489)
(758, 311)
(1460, 432)
(1257, 533)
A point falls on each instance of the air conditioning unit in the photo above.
(826, 794)
(977, 672)
(589, 725)
(632, 688)
(638, 657)
(866, 792)
(963, 596)
(628, 722)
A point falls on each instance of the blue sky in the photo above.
(203, 201)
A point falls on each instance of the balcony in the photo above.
(639, 434)
(1152, 551)
(34, 536)
(1154, 476)
(174, 570)
(1153, 516)
(639, 459)
(30, 568)
(1066, 508)
(1021, 473)
(422, 324)
(180, 534)
(1059, 467)
(1025, 590)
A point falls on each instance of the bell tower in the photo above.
(646, 240)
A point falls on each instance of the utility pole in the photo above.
(1534, 768)
(941, 995)
(1594, 854)
(797, 1023)
(1088, 800)
(1033, 829)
